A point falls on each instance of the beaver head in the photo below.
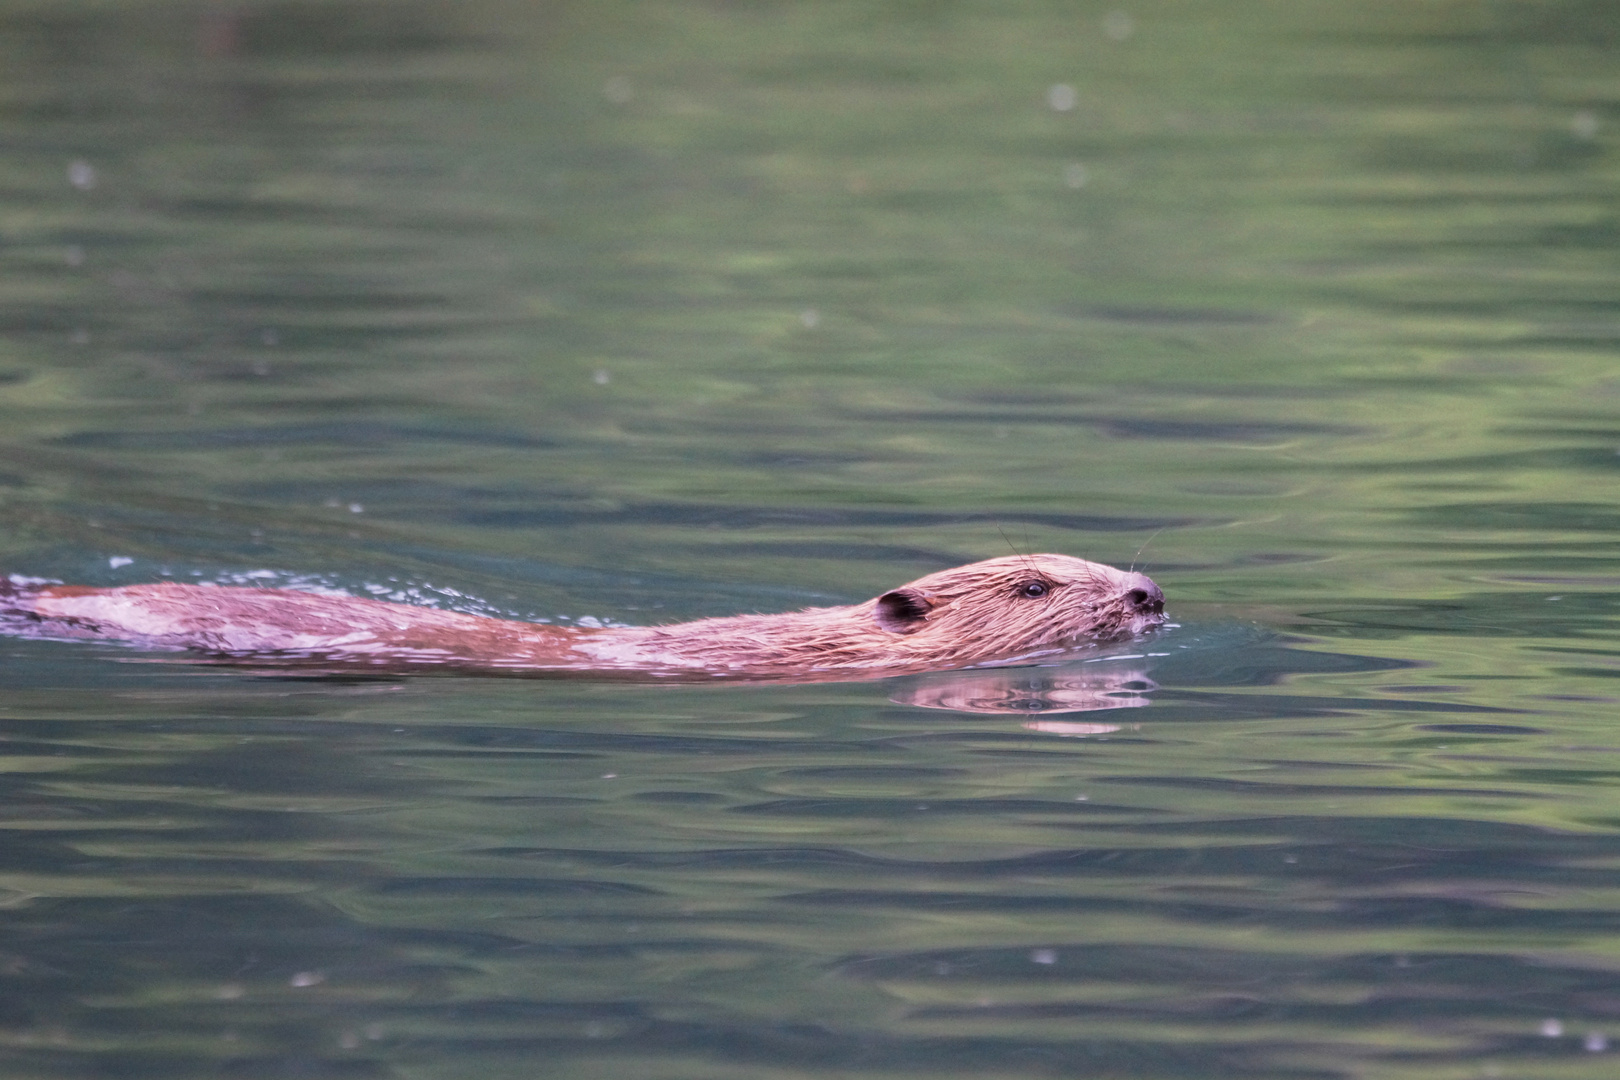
(1022, 603)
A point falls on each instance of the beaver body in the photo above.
(999, 610)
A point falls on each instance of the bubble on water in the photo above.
(601, 378)
(1551, 1028)
(269, 337)
(1075, 175)
(349, 1040)
(810, 318)
(619, 90)
(356, 508)
(119, 560)
(1061, 97)
(1596, 1042)
(1043, 956)
(306, 978)
(1584, 124)
(1118, 25)
(82, 175)
(80, 336)
(23, 580)
(74, 255)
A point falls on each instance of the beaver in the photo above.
(996, 611)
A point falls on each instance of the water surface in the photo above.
(640, 312)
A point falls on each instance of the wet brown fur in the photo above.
(997, 610)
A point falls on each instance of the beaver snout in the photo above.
(1142, 596)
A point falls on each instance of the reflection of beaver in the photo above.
(997, 610)
(1023, 692)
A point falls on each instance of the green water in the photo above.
(645, 311)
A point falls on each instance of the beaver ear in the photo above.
(902, 611)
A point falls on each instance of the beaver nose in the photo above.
(1142, 595)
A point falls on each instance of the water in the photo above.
(637, 312)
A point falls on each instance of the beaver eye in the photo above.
(1033, 589)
